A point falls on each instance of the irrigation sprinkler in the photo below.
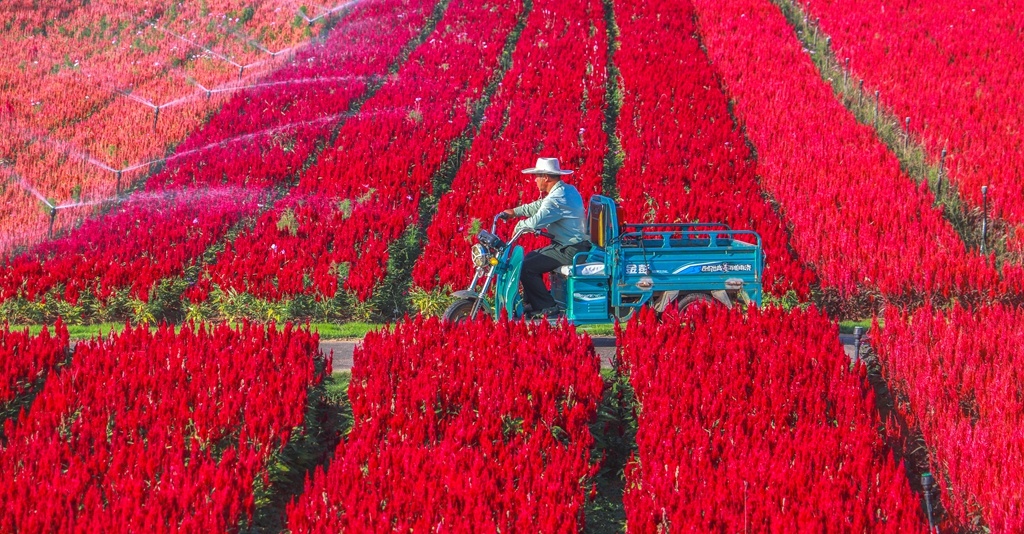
(156, 116)
(877, 93)
(53, 219)
(117, 188)
(860, 93)
(984, 217)
(906, 128)
(858, 333)
(942, 169)
(846, 73)
(927, 486)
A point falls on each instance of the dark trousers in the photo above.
(541, 261)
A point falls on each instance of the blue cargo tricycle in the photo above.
(629, 266)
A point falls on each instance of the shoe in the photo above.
(548, 313)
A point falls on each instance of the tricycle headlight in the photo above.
(480, 255)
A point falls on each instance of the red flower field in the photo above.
(202, 172)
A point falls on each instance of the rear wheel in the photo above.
(692, 302)
(461, 310)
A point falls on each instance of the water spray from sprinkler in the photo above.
(210, 51)
(304, 81)
(327, 11)
(69, 150)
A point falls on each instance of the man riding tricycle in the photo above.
(602, 271)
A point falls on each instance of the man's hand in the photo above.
(507, 214)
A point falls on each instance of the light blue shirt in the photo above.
(560, 212)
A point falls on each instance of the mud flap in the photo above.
(722, 296)
(509, 288)
(664, 300)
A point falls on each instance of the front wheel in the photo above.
(460, 310)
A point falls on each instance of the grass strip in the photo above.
(328, 418)
(614, 157)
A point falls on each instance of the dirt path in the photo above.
(605, 346)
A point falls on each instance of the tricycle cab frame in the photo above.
(638, 264)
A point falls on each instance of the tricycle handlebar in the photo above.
(499, 217)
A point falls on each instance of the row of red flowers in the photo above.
(685, 159)
(220, 174)
(954, 72)
(81, 102)
(479, 426)
(959, 375)
(755, 422)
(551, 103)
(855, 217)
(157, 431)
(365, 190)
(24, 358)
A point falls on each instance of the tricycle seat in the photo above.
(583, 269)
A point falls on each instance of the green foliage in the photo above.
(104, 26)
(163, 304)
(340, 270)
(246, 15)
(19, 310)
(140, 44)
(367, 196)
(390, 297)
(71, 313)
(288, 223)
(232, 305)
(431, 302)
(474, 228)
(200, 311)
(171, 14)
(345, 208)
(143, 312)
(787, 301)
(846, 327)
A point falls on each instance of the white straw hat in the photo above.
(547, 166)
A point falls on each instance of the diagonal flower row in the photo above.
(685, 159)
(755, 423)
(365, 190)
(959, 373)
(550, 103)
(855, 217)
(953, 70)
(480, 426)
(222, 173)
(110, 87)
